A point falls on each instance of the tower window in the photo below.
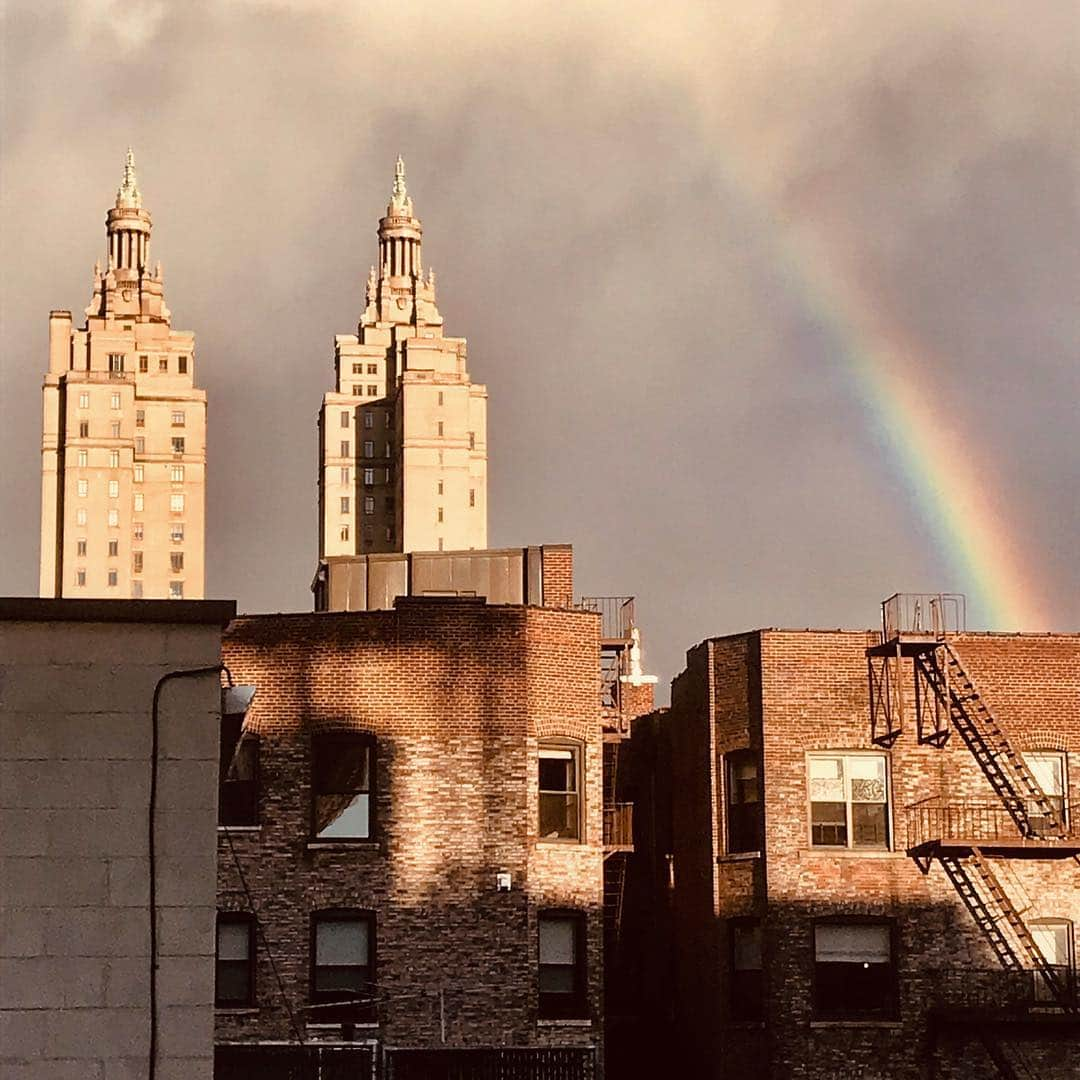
(176, 532)
(390, 533)
(440, 429)
(80, 517)
(112, 579)
(357, 390)
(440, 397)
(82, 459)
(176, 504)
(83, 487)
(114, 548)
(369, 419)
(176, 561)
(84, 429)
(181, 365)
(440, 514)
(136, 562)
(136, 590)
(140, 418)
(114, 519)
(176, 474)
(139, 502)
(80, 577)
(139, 474)
(144, 363)
(389, 417)
(115, 427)
(372, 390)
(116, 365)
(80, 548)
(369, 448)
(373, 369)
(114, 401)
(344, 504)
(140, 444)
(472, 496)
(369, 477)
(114, 489)
(358, 369)
(114, 459)
(178, 419)
(439, 487)
(369, 504)
(344, 447)
(472, 440)
(176, 590)
(137, 531)
(163, 363)
(344, 532)
(84, 400)
(345, 474)
(178, 444)
(344, 419)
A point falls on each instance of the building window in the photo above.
(140, 418)
(114, 427)
(472, 440)
(440, 425)
(372, 390)
(358, 369)
(848, 800)
(389, 449)
(136, 590)
(176, 474)
(744, 802)
(341, 786)
(83, 487)
(342, 961)
(80, 517)
(139, 475)
(112, 579)
(181, 365)
(1054, 938)
(116, 366)
(140, 502)
(344, 504)
(390, 533)
(373, 369)
(137, 561)
(357, 390)
(140, 445)
(178, 419)
(176, 504)
(82, 459)
(163, 363)
(369, 477)
(114, 401)
(234, 981)
(84, 400)
(114, 519)
(369, 448)
(144, 363)
(114, 489)
(1048, 768)
(80, 577)
(561, 965)
(176, 532)
(114, 548)
(178, 444)
(176, 561)
(440, 397)
(439, 488)
(344, 419)
(854, 975)
(84, 429)
(238, 792)
(472, 496)
(746, 997)
(559, 787)
(439, 514)
(369, 504)
(344, 534)
(114, 459)
(80, 548)
(389, 504)
(137, 530)
(389, 418)
(344, 447)
(176, 590)
(369, 419)
(346, 477)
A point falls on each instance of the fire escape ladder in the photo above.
(614, 890)
(1013, 782)
(1015, 1069)
(987, 921)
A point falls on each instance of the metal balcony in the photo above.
(619, 827)
(941, 824)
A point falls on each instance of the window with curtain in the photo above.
(559, 785)
(854, 972)
(342, 786)
(561, 972)
(848, 800)
(234, 984)
(1048, 768)
(342, 966)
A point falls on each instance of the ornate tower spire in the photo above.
(128, 193)
(400, 200)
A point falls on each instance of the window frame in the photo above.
(849, 844)
(577, 751)
(746, 1004)
(357, 738)
(735, 842)
(891, 1011)
(1061, 799)
(246, 793)
(356, 1013)
(1040, 991)
(565, 1006)
(235, 918)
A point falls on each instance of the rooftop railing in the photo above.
(995, 990)
(616, 614)
(929, 614)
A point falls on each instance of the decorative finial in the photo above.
(128, 193)
(400, 201)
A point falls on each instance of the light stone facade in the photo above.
(403, 435)
(123, 472)
(77, 682)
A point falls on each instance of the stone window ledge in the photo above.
(223, 829)
(225, 1010)
(738, 856)
(894, 1025)
(848, 853)
(344, 845)
(314, 1025)
(564, 1023)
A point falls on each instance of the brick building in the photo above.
(412, 876)
(857, 859)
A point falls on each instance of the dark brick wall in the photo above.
(557, 570)
(788, 693)
(457, 694)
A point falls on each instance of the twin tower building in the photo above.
(402, 436)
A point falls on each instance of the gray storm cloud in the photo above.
(608, 196)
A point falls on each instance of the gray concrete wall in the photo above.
(75, 741)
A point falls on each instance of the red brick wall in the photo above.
(557, 575)
(810, 692)
(457, 694)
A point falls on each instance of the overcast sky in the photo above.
(641, 217)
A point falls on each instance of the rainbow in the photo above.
(950, 484)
